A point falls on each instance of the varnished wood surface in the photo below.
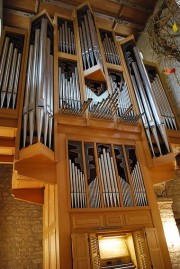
(24, 5)
(108, 7)
(12, 19)
(132, 20)
(31, 195)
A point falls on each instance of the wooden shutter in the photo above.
(141, 250)
(80, 251)
(154, 249)
(94, 250)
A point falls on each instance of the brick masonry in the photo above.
(21, 228)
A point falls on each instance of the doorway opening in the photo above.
(126, 250)
(117, 251)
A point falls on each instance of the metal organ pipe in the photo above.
(139, 189)
(34, 86)
(91, 55)
(3, 58)
(115, 182)
(110, 190)
(6, 73)
(86, 47)
(47, 90)
(41, 78)
(16, 80)
(27, 94)
(163, 102)
(146, 105)
(12, 76)
(69, 91)
(104, 183)
(126, 192)
(144, 118)
(38, 111)
(51, 101)
(94, 39)
(77, 186)
(71, 184)
(107, 178)
(66, 37)
(152, 99)
(10, 64)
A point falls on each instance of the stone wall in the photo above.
(21, 228)
(173, 192)
(170, 230)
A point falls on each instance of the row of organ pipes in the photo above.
(129, 186)
(10, 65)
(39, 91)
(163, 103)
(149, 101)
(90, 49)
(66, 38)
(110, 48)
(77, 182)
(100, 101)
(69, 90)
(105, 108)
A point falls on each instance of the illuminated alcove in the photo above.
(117, 250)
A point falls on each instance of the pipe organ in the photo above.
(92, 126)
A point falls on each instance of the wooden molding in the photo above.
(37, 162)
(163, 169)
(42, 172)
(30, 195)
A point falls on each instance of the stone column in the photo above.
(170, 230)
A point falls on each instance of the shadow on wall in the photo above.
(21, 228)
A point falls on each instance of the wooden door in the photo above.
(154, 249)
(80, 251)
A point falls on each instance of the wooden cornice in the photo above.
(31, 194)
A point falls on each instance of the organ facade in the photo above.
(93, 130)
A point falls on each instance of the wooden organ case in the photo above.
(94, 130)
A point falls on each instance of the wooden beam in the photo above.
(11, 19)
(163, 168)
(30, 195)
(42, 172)
(6, 158)
(119, 16)
(23, 5)
(162, 174)
(7, 142)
